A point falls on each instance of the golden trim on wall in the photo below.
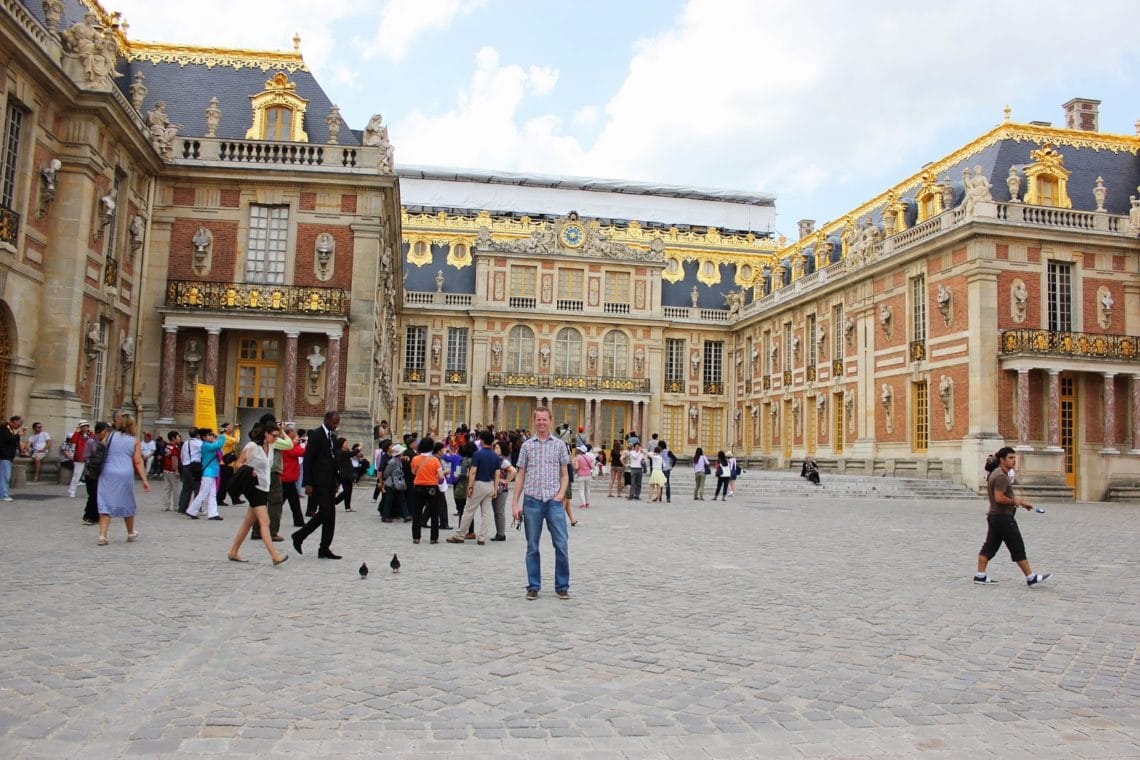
(1048, 166)
(708, 272)
(674, 270)
(419, 251)
(459, 253)
(236, 58)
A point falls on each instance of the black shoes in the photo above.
(531, 594)
(499, 537)
(297, 543)
(327, 554)
(218, 517)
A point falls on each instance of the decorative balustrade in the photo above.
(455, 376)
(251, 297)
(674, 385)
(414, 375)
(424, 298)
(714, 315)
(9, 226)
(1046, 216)
(522, 302)
(536, 381)
(675, 312)
(1071, 344)
(457, 299)
(610, 307)
(293, 155)
(712, 389)
(569, 304)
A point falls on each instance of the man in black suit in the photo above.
(320, 482)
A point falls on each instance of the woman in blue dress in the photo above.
(116, 495)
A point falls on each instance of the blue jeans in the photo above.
(5, 476)
(534, 512)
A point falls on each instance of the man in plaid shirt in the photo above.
(541, 480)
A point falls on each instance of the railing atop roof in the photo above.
(305, 156)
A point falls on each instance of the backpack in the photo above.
(672, 458)
(396, 479)
(461, 481)
(98, 457)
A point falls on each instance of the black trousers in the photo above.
(225, 475)
(293, 497)
(426, 506)
(190, 486)
(1003, 528)
(345, 494)
(721, 487)
(325, 518)
(91, 509)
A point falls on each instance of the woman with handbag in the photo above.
(395, 488)
(723, 476)
(701, 468)
(258, 456)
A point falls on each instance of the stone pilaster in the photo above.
(289, 387)
(1023, 410)
(1054, 429)
(167, 387)
(212, 339)
(1109, 415)
(1135, 415)
(332, 372)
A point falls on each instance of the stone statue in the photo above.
(213, 116)
(849, 329)
(53, 15)
(943, 299)
(1105, 302)
(946, 394)
(324, 246)
(376, 135)
(886, 394)
(868, 236)
(849, 237)
(795, 346)
(1020, 301)
(49, 175)
(162, 132)
(138, 91)
(1013, 182)
(316, 360)
(947, 188)
(334, 122)
(496, 350)
(695, 360)
(436, 349)
(439, 280)
(94, 47)
(1100, 192)
(193, 359)
(137, 229)
(638, 359)
(94, 338)
(544, 356)
(592, 356)
(127, 352)
(885, 319)
(977, 189)
(735, 301)
(106, 212)
(695, 295)
(1134, 215)
(820, 402)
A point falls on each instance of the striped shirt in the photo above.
(544, 462)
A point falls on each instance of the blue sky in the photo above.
(823, 103)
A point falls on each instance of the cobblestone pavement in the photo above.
(695, 630)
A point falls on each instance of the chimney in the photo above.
(807, 226)
(1082, 114)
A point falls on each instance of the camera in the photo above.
(517, 524)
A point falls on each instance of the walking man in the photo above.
(480, 492)
(1003, 522)
(320, 482)
(542, 481)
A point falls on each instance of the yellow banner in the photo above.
(205, 415)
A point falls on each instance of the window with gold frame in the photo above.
(523, 281)
(278, 112)
(413, 415)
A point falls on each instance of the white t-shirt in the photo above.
(40, 441)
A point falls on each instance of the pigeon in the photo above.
(395, 564)
(363, 571)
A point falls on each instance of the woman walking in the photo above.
(700, 470)
(723, 476)
(258, 455)
(584, 473)
(116, 494)
(616, 469)
(208, 491)
(503, 479)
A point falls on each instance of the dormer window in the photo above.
(1047, 179)
(929, 197)
(278, 112)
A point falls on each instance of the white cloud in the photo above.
(404, 20)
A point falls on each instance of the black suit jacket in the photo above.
(320, 465)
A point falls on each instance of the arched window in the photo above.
(278, 123)
(615, 354)
(568, 352)
(520, 349)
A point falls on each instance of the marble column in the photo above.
(289, 386)
(212, 337)
(166, 388)
(1135, 415)
(645, 418)
(1023, 410)
(1054, 410)
(332, 373)
(1109, 415)
(588, 421)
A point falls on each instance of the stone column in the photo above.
(332, 373)
(166, 388)
(211, 377)
(289, 386)
(1023, 410)
(1054, 432)
(1109, 415)
(588, 421)
(1135, 415)
(645, 417)
(500, 412)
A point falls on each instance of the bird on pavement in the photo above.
(395, 564)
(363, 571)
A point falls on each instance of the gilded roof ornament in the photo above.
(235, 58)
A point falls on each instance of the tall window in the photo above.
(839, 330)
(278, 123)
(456, 350)
(520, 349)
(268, 238)
(674, 365)
(921, 416)
(615, 354)
(257, 373)
(415, 352)
(413, 415)
(1046, 191)
(918, 308)
(570, 289)
(673, 428)
(809, 340)
(100, 379)
(617, 293)
(10, 154)
(1060, 293)
(568, 352)
(714, 366)
(523, 281)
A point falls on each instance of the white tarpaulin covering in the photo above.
(605, 199)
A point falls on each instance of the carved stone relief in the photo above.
(324, 256)
(946, 395)
(203, 241)
(887, 398)
(192, 361)
(885, 319)
(1104, 307)
(316, 360)
(1018, 300)
(944, 299)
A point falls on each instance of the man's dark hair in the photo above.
(332, 414)
(268, 420)
(487, 437)
(1003, 452)
(661, 444)
(100, 426)
(193, 432)
(172, 435)
(426, 446)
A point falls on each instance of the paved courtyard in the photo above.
(774, 628)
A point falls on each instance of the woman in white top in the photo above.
(656, 476)
(258, 455)
(700, 470)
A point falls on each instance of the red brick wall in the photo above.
(224, 255)
(1090, 285)
(184, 196)
(900, 322)
(304, 272)
(959, 307)
(348, 204)
(308, 202)
(1033, 309)
(230, 197)
(900, 391)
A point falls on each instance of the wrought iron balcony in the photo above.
(674, 385)
(414, 375)
(811, 374)
(787, 378)
(9, 226)
(455, 376)
(565, 382)
(249, 297)
(712, 389)
(767, 382)
(1070, 344)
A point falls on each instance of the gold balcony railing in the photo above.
(566, 382)
(9, 225)
(414, 375)
(249, 297)
(1073, 344)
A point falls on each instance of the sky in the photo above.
(822, 103)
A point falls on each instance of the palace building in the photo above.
(173, 216)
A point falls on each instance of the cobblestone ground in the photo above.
(775, 628)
